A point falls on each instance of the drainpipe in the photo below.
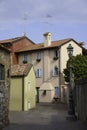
(59, 77)
(23, 93)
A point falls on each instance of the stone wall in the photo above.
(81, 96)
(4, 86)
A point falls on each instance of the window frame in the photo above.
(56, 54)
(38, 73)
(55, 71)
(39, 56)
(25, 60)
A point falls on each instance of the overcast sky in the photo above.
(63, 18)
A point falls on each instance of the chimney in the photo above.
(47, 39)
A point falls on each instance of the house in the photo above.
(22, 90)
(4, 84)
(49, 59)
(15, 44)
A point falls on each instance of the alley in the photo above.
(44, 117)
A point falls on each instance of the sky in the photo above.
(63, 18)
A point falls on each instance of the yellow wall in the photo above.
(29, 90)
(16, 94)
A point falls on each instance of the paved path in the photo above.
(44, 117)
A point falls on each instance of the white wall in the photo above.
(64, 56)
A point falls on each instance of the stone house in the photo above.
(15, 44)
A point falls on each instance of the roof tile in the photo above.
(41, 45)
(20, 70)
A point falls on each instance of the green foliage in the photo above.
(79, 67)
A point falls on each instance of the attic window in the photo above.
(55, 54)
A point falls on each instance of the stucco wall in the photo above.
(16, 94)
(29, 90)
(46, 65)
(64, 56)
(38, 65)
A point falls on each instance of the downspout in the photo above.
(59, 77)
(43, 67)
(23, 93)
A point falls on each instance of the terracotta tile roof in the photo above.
(10, 40)
(20, 70)
(41, 45)
(14, 40)
(3, 47)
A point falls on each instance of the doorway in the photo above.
(37, 94)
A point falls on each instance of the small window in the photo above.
(38, 73)
(25, 58)
(44, 92)
(55, 71)
(38, 56)
(55, 54)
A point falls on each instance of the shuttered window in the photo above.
(38, 73)
(55, 71)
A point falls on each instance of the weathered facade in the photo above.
(4, 84)
(49, 59)
(15, 44)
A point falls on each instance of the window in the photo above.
(2, 72)
(55, 54)
(44, 92)
(38, 73)
(38, 56)
(25, 58)
(55, 71)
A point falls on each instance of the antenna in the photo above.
(25, 17)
